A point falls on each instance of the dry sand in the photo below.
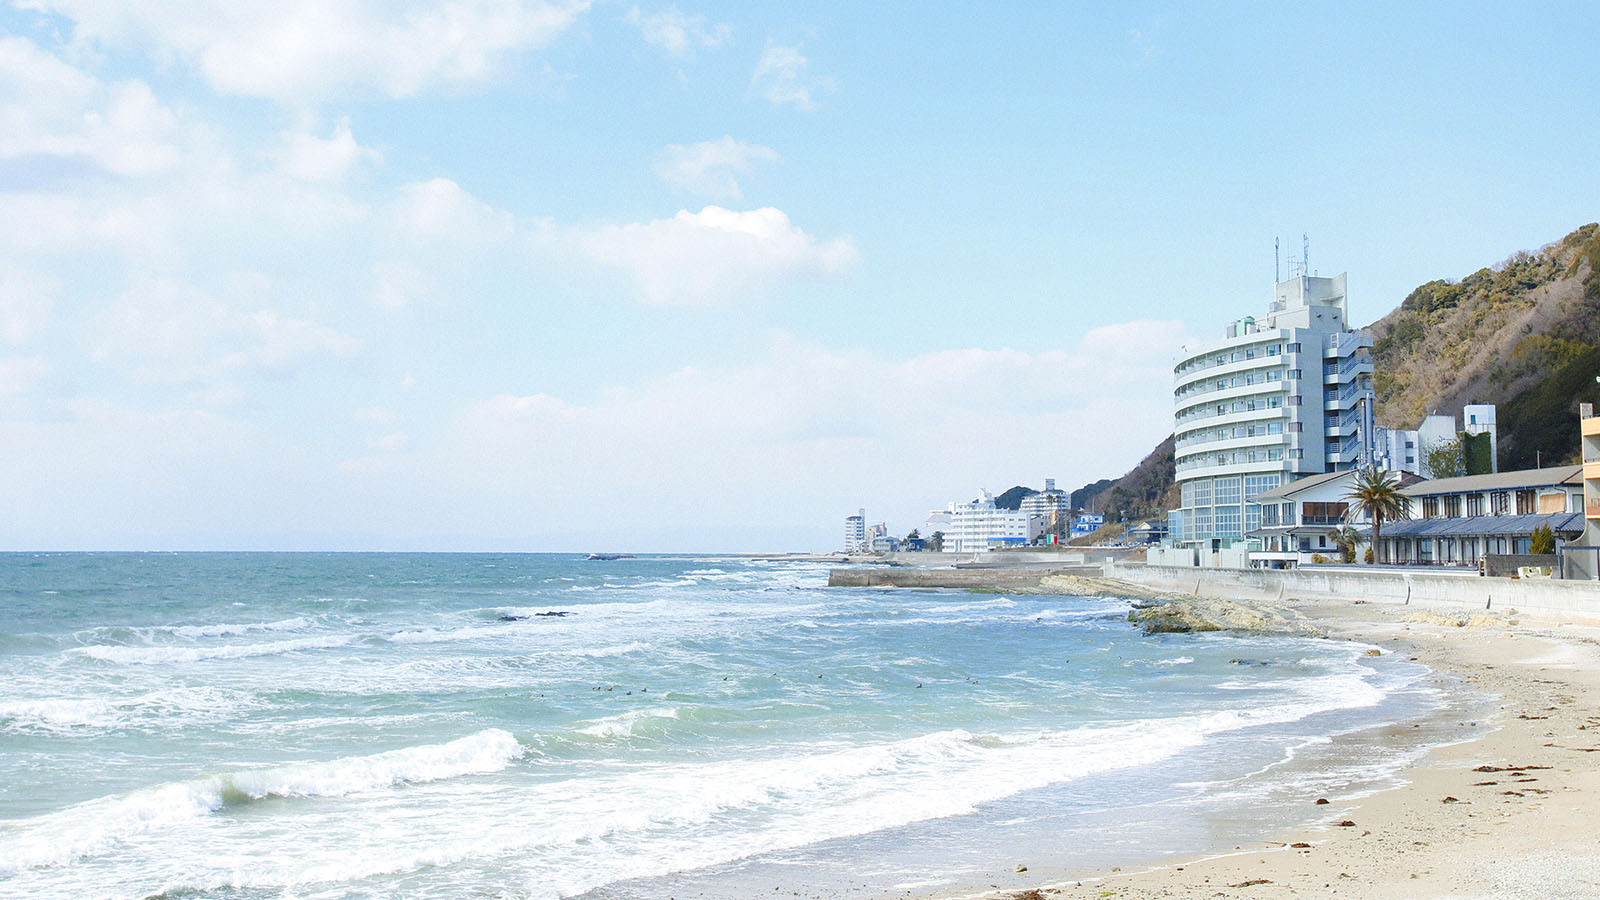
(1514, 813)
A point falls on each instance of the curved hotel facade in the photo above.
(1279, 398)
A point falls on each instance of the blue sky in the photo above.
(517, 274)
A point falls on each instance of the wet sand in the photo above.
(1510, 813)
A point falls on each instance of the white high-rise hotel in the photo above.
(1280, 398)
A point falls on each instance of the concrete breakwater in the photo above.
(1569, 600)
(1020, 580)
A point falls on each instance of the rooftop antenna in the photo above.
(1277, 270)
(1305, 254)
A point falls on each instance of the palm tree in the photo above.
(1347, 539)
(1376, 494)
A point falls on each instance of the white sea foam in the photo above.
(95, 826)
(152, 709)
(297, 623)
(613, 650)
(621, 726)
(59, 714)
(126, 655)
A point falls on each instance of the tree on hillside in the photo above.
(912, 536)
(1376, 494)
(936, 543)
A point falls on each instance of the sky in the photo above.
(586, 275)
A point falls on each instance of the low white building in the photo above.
(1300, 519)
(979, 525)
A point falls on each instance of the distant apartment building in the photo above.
(979, 525)
(1048, 503)
(1401, 450)
(1279, 398)
(855, 533)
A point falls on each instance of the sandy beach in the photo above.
(1510, 813)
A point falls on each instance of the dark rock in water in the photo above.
(512, 618)
(555, 612)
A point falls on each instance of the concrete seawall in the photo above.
(1567, 600)
(1018, 580)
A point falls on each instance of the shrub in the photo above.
(1369, 556)
(1543, 541)
(1318, 558)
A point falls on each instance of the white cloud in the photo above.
(782, 76)
(716, 255)
(49, 108)
(813, 431)
(25, 302)
(311, 158)
(677, 33)
(711, 167)
(398, 284)
(30, 387)
(440, 210)
(308, 50)
(376, 415)
(172, 332)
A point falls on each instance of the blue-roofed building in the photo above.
(1458, 521)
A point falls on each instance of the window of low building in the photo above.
(1525, 503)
(1452, 506)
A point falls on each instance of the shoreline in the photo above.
(1523, 827)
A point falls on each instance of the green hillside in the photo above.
(1524, 335)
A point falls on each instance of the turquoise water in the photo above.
(533, 726)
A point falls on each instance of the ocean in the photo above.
(443, 726)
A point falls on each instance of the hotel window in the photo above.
(1525, 503)
(1297, 454)
(1295, 400)
(1474, 504)
(1274, 402)
(1294, 374)
(1430, 507)
(1294, 348)
(1294, 427)
(1499, 503)
(1452, 506)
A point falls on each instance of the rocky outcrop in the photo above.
(1184, 614)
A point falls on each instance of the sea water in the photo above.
(537, 726)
